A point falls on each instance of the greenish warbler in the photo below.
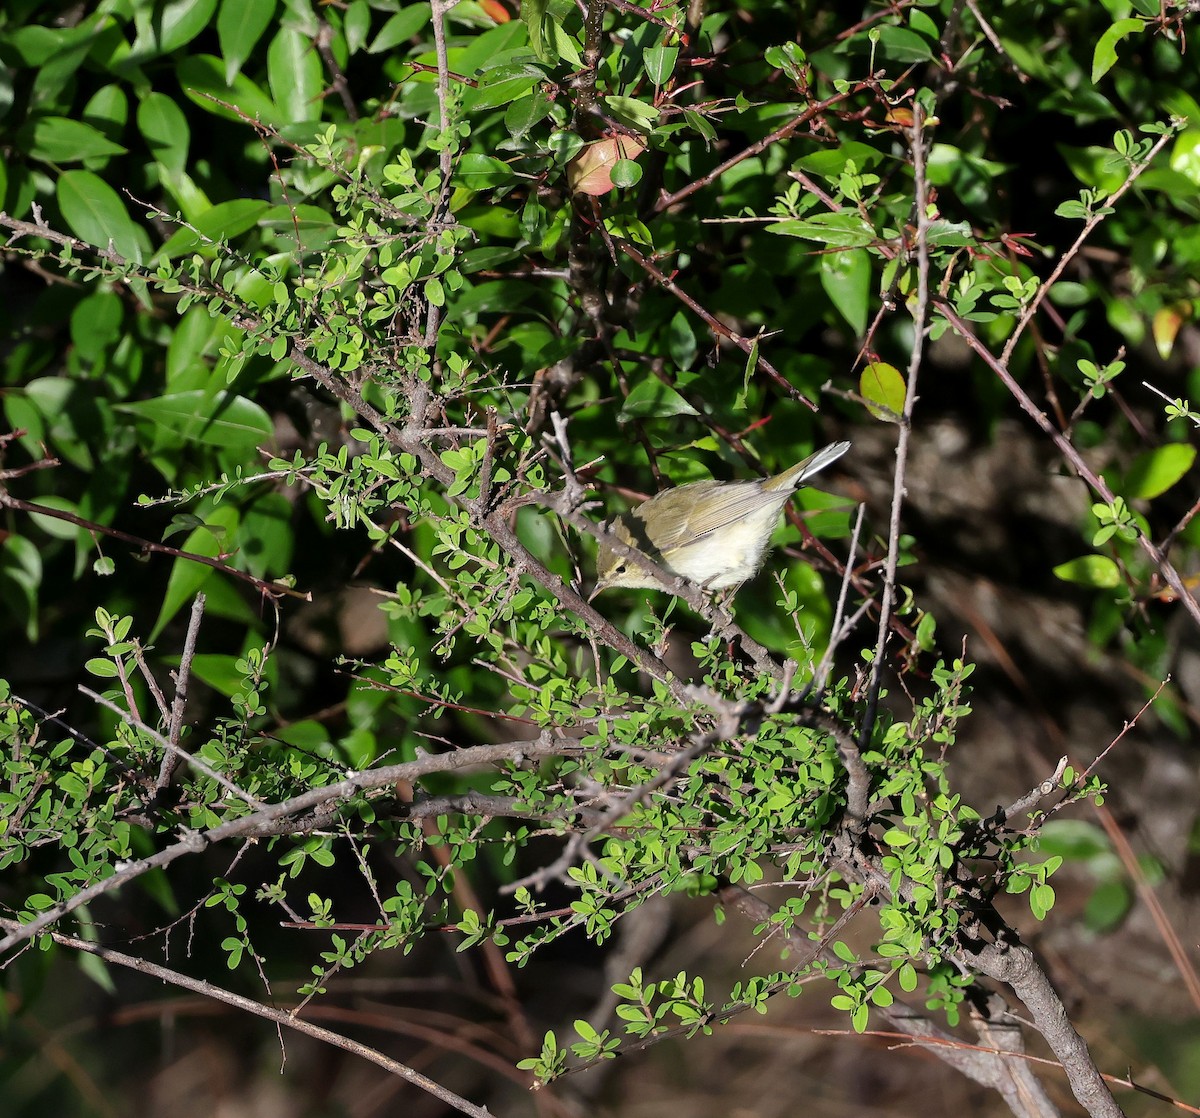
(712, 533)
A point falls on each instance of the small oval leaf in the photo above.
(883, 389)
(1098, 571)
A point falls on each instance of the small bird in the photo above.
(712, 533)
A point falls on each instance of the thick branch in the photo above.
(1014, 964)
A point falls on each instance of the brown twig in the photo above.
(758, 147)
(278, 1016)
(1044, 289)
(746, 345)
(1068, 451)
(268, 589)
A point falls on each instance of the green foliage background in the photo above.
(321, 340)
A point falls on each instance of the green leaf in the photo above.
(219, 671)
(96, 323)
(52, 525)
(187, 576)
(626, 173)
(21, 568)
(564, 48)
(221, 419)
(203, 80)
(629, 110)
(1105, 53)
(177, 24)
(525, 112)
(1041, 900)
(660, 63)
(1154, 472)
(477, 171)
(883, 388)
(295, 75)
(1107, 906)
(926, 630)
(882, 996)
(165, 128)
(902, 45)
(1097, 571)
(223, 222)
(266, 536)
(533, 15)
(651, 399)
(501, 89)
(97, 215)
(402, 27)
(58, 139)
(844, 952)
(101, 667)
(835, 230)
(846, 278)
(859, 1018)
(240, 24)
(1093, 167)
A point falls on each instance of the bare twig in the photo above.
(279, 1016)
(269, 589)
(174, 750)
(1032, 307)
(1068, 451)
(920, 324)
(759, 146)
(719, 329)
(171, 760)
(840, 628)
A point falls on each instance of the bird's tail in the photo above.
(795, 476)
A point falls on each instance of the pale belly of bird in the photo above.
(742, 548)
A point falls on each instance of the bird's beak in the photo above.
(595, 590)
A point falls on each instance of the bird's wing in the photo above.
(677, 525)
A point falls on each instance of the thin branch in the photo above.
(1032, 308)
(131, 719)
(759, 146)
(1067, 449)
(171, 760)
(1035, 795)
(920, 325)
(266, 819)
(841, 628)
(719, 329)
(279, 1016)
(270, 589)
